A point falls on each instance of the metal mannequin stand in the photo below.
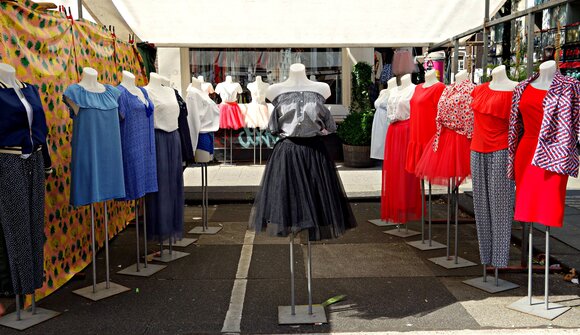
(171, 255)
(498, 285)
(448, 261)
(421, 245)
(204, 229)
(302, 314)
(21, 320)
(382, 223)
(107, 288)
(231, 163)
(536, 307)
(135, 269)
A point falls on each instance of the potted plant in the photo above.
(355, 130)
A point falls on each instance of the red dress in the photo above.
(491, 111)
(423, 126)
(540, 194)
(447, 155)
(231, 116)
(401, 192)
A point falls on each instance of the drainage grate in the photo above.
(573, 201)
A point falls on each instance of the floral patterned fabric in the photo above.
(454, 110)
(49, 51)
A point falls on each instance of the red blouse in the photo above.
(454, 110)
(491, 119)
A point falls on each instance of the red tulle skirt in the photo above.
(231, 116)
(451, 160)
(414, 153)
(401, 192)
(540, 194)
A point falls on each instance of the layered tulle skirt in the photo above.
(231, 116)
(301, 190)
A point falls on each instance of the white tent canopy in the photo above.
(304, 23)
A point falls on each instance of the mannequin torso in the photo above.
(128, 82)
(384, 95)
(461, 76)
(500, 80)
(228, 90)
(296, 82)
(166, 105)
(430, 78)
(405, 82)
(207, 88)
(258, 90)
(89, 81)
(547, 71)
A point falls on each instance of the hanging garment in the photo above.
(165, 207)
(97, 160)
(300, 188)
(400, 193)
(403, 62)
(447, 155)
(540, 194)
(138, 143)
(493, 191)
(23, 130)
(423, 126)
(184, 132)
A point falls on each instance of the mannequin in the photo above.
(89, 81)
(128, 81)
(195, 83)
(405, 82)
(258, 89)
(155, 81)
(380, 123)
(547, 72)
(165, 81)
(228, 90)
(500, 80)
(296, 82)
(430, 78)
(8, 75)
(461, 76)
(207, 88)
(392, 83)
(203, 118)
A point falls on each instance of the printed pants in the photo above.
(22, 218)
(493, 200)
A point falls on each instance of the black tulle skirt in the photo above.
(301, 190)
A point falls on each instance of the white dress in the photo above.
(380, 126)
(257, 113)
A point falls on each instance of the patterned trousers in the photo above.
(22, 218)
(493, 200)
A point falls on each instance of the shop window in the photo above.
(322, 64)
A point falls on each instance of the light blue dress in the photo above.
(138, 142)
(96, 162)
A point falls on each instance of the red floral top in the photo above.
(454, 110)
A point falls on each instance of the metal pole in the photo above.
(17, 307)
(484, 273)
(145, 229)
(254, 146)
(108, 283)
(430, 208)
(530, 244)
(137, 234)
(456, 220)
(485, 42)
(449, 199)
(80, 5)
(309, 278)
(33, 303)
(422, 211)
(455, 64)
(225, 148)
(203, 224)
(547, 270)
(206, 196)
(530, 35)
(260, 134)
(231, 148)
(293, 306)
(93, 248)
(496, 276)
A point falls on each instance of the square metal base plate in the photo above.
(27, 319)
(450, 263)
(209, 231)
(489, 286)
(148, 271)
(402, 232)
(381, 223)
(184, 242)
(538, 308)
(102, 291)
(301, 317)
(424, 245)
(169, 257)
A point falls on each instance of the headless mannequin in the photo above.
(165, 81)
(296, 82)
(205, 87)
(128, 82)
(461, 76)
(195, 83)
(405, 82)
(8, 76)
(430, 78)
(228, 90)
(500, 80)
(258, 90)
(201, 156)
(155, 82)
(383, 96)
(547, 71)
(88, 82)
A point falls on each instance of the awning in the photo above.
(300, 23)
